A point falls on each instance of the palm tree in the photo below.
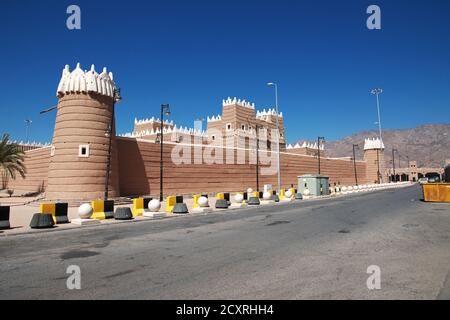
(11, 158)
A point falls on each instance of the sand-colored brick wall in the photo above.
(139, 171)
(37, 163)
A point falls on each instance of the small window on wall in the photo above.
(228, 126)
(213, 137)
(52, 151)
(83, 151)
(243, 127)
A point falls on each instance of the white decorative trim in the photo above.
(270, 112)
(214, 118)
(305, 145)
(86, 81)
(238, 102)
(374, 143)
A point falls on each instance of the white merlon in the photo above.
(239, 102)
(374, 143)
(270, 112)
(151, 120)
(86, 81)
(214, 118)
(306, 145)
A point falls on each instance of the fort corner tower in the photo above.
(374, 157)
(79, 154)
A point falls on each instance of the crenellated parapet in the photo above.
(79, 81)
(265, 114)
(237, 102)
(305, 145)
(374, 143)
(214, 118)
(153, 132)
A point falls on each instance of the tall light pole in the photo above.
(28, 123)
(319, 139)
(165, 110)
(273, 84)
(377, 92)
(355, 146)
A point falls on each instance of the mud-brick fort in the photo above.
(74, 166)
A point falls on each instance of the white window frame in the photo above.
(229, 126)
(80, 148)
(52, 151)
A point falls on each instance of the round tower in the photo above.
(374, 157)
(81, 139)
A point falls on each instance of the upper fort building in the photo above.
(74, 166)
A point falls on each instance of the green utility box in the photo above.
(316, 184)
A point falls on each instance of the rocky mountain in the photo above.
(429, 145)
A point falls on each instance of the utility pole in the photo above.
(393, 163)
(319, 139)
(355, 146)
(378, 163)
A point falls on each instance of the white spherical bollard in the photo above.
(288, 194)
(306, 192)
(349, 188)
(249, 190)
(239, 197)
(267, 195)
(154, 205)
(202, 201)
(85, 211)
(344, 189)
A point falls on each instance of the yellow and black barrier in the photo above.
(170, 203)
(4, 217)
(103, 209)
(180, 207)
(221, 201)
(140, 205)
(282, 196)
(57, 210)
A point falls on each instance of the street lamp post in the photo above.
(116, 98)
(355, 146)
(319, 139)
(277, 133)
(164, 110)
(257, 157)
(377, 92)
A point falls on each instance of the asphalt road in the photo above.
(304, 250)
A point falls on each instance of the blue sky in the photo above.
(192, 54)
